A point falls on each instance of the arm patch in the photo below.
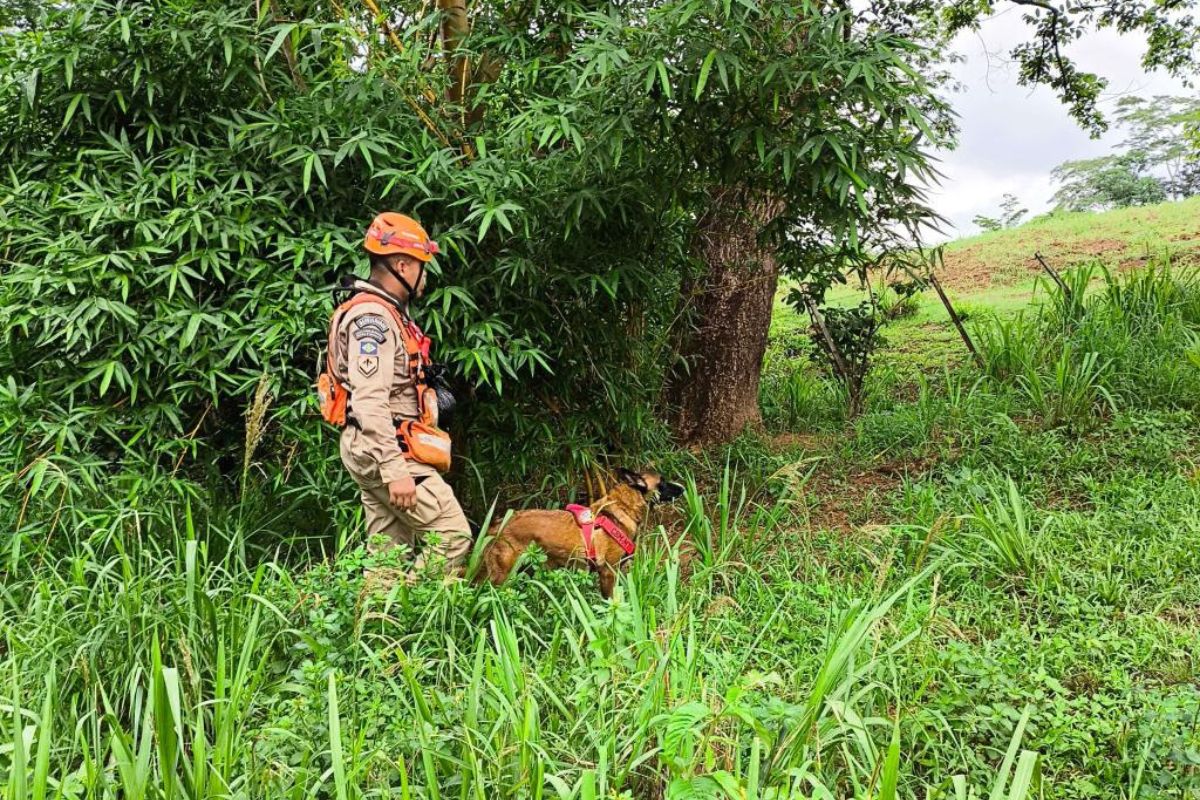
(370, 321)
(371, 335)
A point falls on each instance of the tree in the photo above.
(1172, 38)
(788, 136)
(1108, 182)
(1158, 133)
(796, 133)
(1012, 211)
(1011, 214)
(988, 223)
(1156, 161)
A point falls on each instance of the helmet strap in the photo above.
(407, 286)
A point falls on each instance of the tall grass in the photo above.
(794, 397)
(1004, 539)
(152, 657)
(1102, 342)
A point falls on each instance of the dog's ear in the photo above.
(634, 479)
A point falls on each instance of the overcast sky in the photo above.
(1011, 136)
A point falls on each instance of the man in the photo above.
(378, 355)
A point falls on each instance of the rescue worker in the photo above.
(377, 354)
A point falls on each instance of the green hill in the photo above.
(1123, 238)
(996, 274)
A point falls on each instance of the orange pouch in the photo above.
(425, 443)
(333, 398)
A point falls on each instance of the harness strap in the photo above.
(587, 521)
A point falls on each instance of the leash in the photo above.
(587, 522)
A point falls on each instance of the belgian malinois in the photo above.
(560, 535)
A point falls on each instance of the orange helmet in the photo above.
(395, 233)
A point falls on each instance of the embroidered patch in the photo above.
(368, 348)
(371, 321)
(362, 334)
(368, 365)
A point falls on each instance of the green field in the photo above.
(988, 585)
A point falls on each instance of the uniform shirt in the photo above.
(369, 358)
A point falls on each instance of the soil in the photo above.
(971, 269)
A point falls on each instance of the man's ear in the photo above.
(631, 478)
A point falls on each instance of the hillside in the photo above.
(1123, 238)
(996, 274)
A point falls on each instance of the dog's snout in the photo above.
(668, 491)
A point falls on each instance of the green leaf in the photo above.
(71, 108)
(284, 31)
(704, 70)
(306, 182)
(891, 766)
(335, 740)
(31, 86)
(1027, 776)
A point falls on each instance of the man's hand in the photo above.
(403, 494)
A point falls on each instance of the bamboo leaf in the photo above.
(705, 67)
(284, 31)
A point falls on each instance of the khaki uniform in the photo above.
(369, 357)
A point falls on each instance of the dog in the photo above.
(560, 535)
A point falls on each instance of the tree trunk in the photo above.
(714, 393)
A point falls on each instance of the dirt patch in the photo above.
(967, 269)
(847, 502)
(1187, 617)
(1099, 247)
(978, 267)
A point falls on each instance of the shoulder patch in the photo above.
(368, 348)
(371, 321)
(368, 365)
(370, 335)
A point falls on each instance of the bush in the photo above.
(181, 196)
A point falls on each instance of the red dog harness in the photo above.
(588, 521)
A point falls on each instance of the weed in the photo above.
(1000, 525)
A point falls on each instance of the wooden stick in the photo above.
(1066, 290)
(957, 320)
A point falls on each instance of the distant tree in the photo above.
(1116, 181)
(987, 223)
(1158, 131)
(1168, 26)
(1011, 214)
(1012, 211)
(1187, 182)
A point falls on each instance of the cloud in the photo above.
(1012, 137)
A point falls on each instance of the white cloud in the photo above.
(1012, 137)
